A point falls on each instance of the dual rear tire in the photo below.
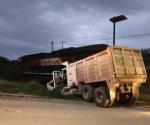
(100, 95)
(127, 99)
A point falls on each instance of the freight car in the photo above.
(111, 75)
(31, 63)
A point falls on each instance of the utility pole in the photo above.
(52, 46)
(62, 43)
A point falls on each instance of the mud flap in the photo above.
(107, 98)
(112, 93)
(135, 90)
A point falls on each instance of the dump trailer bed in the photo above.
(115, 64)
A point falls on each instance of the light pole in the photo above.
(114, 20)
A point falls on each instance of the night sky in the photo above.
(29, 26)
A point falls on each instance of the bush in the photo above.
(56, 93)
(9, 87)
(145, 88)
(32, 87)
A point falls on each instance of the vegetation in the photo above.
(146, 58)
(145, 88)
(9, 69)
(33, 88)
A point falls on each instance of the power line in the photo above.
(135, 35)
(110, 38)
(94, 39)
(120, 37)
(80, 41)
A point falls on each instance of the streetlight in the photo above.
(114, 20)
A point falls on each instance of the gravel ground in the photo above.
(37, 111)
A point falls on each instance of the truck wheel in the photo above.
(100, 97)
(132, 101)
(128, 99)
(87, 93)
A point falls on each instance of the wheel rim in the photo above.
(86, 93)
(99, 97)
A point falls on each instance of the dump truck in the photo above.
(110, 76)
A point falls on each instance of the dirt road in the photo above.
(68, 112)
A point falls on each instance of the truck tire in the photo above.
(128, 99)
(87, 93)
(132, 101)
(100, 97)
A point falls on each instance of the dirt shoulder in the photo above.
(142, 98)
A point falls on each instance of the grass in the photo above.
(35, 88)
(32, 87)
